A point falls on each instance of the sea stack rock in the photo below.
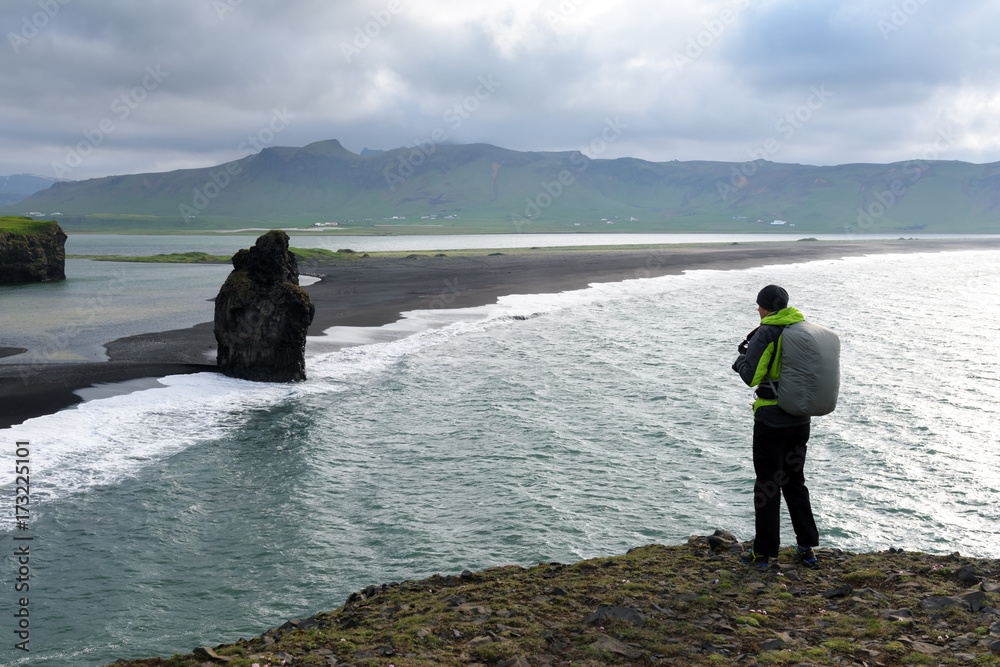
(31, 251)
(261, 314)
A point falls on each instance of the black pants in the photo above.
(779, 455)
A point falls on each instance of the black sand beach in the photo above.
(374, 291)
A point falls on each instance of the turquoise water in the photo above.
(545, 427)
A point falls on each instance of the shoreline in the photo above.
(372, 292)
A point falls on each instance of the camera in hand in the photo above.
(742, 347)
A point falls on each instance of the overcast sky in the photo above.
(126, 86)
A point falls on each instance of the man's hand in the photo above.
(738, 362)
(742, 347)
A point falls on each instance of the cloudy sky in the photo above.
(125, 86)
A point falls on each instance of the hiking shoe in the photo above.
(753, 559)
(806, 556)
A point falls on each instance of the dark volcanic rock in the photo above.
(938, 602)
(721, 539)
(773, 644)
(606, 643)
(838, 592)
(33, 257)
(897, 615)
(606, 613)
(967, 575)
(261, 314)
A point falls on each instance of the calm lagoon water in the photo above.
(70, 320)
(212, 508)
(133, 245)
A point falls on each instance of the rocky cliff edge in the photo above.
(692, 604)
(31, 251)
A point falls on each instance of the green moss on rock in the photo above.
(31, 251)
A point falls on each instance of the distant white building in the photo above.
(779, 222)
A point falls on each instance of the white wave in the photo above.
(103, 441)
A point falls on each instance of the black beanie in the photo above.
(772, 298)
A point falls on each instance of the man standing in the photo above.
(779, 438)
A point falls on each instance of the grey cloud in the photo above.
(230, 69)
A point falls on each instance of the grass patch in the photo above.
(877, 628)
(748, 620)
(494, 652)
(865, 577)
(21, 226)
(303, 255)
(839, 646)
(171, 258)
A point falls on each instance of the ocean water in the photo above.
(543, 427)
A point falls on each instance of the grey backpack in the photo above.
(809, 380)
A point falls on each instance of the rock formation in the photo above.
(31, 251)
(261, 314)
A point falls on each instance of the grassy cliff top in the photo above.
(22, 226)
(671, 605)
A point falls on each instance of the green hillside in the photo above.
(478, 187)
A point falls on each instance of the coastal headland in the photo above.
(31, 250)
(359, 291)
(691, 604)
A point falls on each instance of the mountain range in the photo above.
(479, 187)
(17, 187)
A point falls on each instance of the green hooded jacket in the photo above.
(765, 346)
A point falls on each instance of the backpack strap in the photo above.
(770, 364)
